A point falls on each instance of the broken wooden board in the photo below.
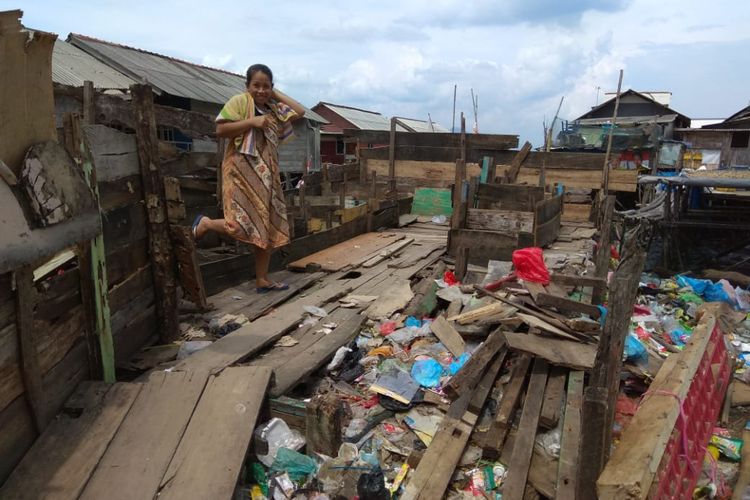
(570, 438)
(387, 252)
(147, 438)
(292, 364)
(63, 458)
(535, 322)
(568, 305)
(518, 467)
(492, 441)
(480, 313)
(543, 469)
(349, 253)
(448, 335)
(463, 381)
(209, 458)
(739, 393)
(505, 221)
(394, 298)
(573, 355)
(191, 279)
(553, 397)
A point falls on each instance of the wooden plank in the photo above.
(515, 166)
(743, 481)
(162, 259)
(553, 397)
(463, 381)
(740, 393)
(492, 441)
(191, 278)
(507, 221)
(209, 458)
(388, 252)
(578, 178)
(509, 197)
(348, 253)
(570, 440)
(427, 173)
(631, 468)
(568, 305)
(573, 355)
(435, 469)
(572, 280)
(518, 469)
(62, 459)
(542, 471)
(602, 257)
(31, 370)
(394, 298)
(576, 212)
(148, 437)
(534, 289)
(448, 336)
(253, 336)
(291, 365)
(536, 322)
(435, 139)
(496, 309)
(485, 245)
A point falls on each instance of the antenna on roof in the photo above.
(453, 126)
(475, 106)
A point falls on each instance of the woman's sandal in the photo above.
(194, 229)
(273, 287)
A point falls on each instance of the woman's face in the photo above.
(260, 87)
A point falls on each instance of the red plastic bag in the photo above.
(529, 264)
(450, 278)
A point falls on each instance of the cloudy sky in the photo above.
(404, 57)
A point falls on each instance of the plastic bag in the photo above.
(274, 435)
(634, 350)
(371, 486)
(529, 264)
(191, 346)
(427, 372)
(458, 363)
(295, 464)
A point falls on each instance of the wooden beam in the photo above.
(89, 107)
(31, 370)
(462, 263)
(605, 177)
(553, 397)
(392, 160)
(634, 463)
(96, 274)
(570, 438)
(572, 280)
(448, 336)
(515, 166)
(566, 353)
(436, 139)
(162, 258)
(518, 470)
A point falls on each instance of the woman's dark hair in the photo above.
(256, 68)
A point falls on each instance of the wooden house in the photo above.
(721, 145)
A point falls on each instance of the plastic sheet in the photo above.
(427, 372)
(529, 264)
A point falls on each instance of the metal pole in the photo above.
(453, 126)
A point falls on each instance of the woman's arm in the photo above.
(297, 107)
(234, 129)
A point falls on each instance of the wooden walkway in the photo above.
(184, 432)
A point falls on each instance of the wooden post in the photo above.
(323, 419)
(220, 148)
(162, 259)
(89, 108)
(303, 204)
(463, 137)
(372, 201)
(462, 263)
(93, 265)
(603, 253)
(605, 178)
(31, 370)
(342, 192)
(325, 186)
(392, 162)
(600, 397)
(515, 166)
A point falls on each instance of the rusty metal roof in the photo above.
(168, 74)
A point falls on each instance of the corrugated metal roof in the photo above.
(72, 66)
(361, 118)
(169, 75)
(422, 125)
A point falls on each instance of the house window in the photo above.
(740, 139)
(340, 149)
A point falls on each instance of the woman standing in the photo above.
(255, 121)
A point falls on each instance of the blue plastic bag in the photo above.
(458, 363)
(634, 350)
(716, 293)
(413, 322)
(427, 372)
(698, 286)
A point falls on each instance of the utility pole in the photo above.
(453, 126)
